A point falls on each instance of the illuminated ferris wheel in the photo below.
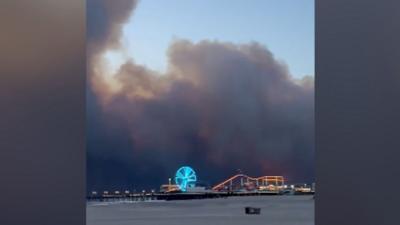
(185, 177)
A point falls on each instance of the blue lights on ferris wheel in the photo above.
(185, 177)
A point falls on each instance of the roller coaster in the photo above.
(242, 182)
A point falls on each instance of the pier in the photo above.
(185, 189)
(184, 195)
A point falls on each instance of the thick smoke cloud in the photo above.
(105, 20)
(219, 107)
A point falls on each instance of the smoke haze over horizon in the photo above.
(219, 107)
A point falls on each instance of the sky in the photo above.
(286, 27)
(215, 85)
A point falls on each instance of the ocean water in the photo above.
(275, 210)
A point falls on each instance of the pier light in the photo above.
(94, 192)
(126, 192)
(105, 192)
(116, 192)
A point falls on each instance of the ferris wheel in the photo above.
(185, 177)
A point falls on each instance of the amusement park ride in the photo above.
(185, 181)
(242, 182)
(185, 178)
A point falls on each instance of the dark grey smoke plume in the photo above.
(105, 19)
(219, 107)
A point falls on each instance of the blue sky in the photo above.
(286, 27)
